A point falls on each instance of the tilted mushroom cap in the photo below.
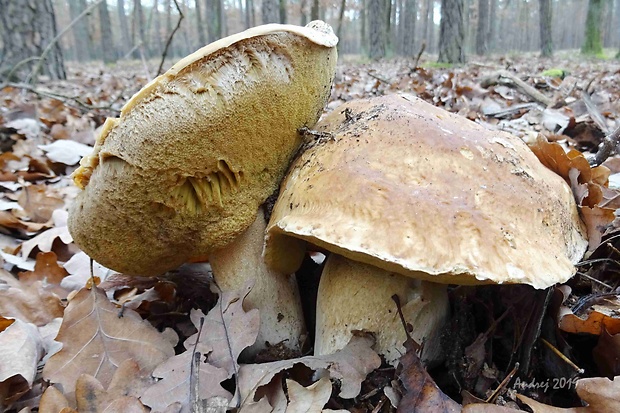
(410, 188)
(196, 151)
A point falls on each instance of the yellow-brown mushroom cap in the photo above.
(196, 151)
(410, 188)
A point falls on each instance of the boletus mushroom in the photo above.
(183, 170)
(404, 191)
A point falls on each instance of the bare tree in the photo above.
(214, 19)
(157, 28)
(377, 33)
(546, 40)
(81, 33)
(107, 41)
(270, 11)
(451, 32)
(283, 11)
(202, 37)
(27, 28)
(482, 31)
(124, 26)
(314, 10)
(409, 17)
(493, 25)
(592, 42)
(343, 4)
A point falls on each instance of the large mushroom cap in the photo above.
(413, 189)
(196, 151)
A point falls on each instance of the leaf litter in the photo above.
(119, 362)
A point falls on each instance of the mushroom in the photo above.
(403, 187)
(182, 173)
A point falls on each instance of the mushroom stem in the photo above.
(357, 296)
(274, 294)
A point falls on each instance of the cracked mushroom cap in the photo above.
(198, 150)
(410, 188)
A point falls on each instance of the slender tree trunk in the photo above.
(343, 4)
(492, 43)
(26, 29)
(377, 35)
(202, 37)
(482, 32)
(124, 26)
(283, 18)
(270, 11)
(592, 43)
(363, 30)
(107, 41)
(81, 34)
(451, 32)
(157, 28)
(546, 40)
(214, 20)
(410, 16)
(302, 12)
(314, 10)
(431, 26)
(387, 6)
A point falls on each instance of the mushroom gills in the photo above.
(197, 193)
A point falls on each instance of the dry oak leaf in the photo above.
(601, 316)
(601, 394)
(228, 329)
(348, 366)
(96, 341)
(606, 354)
(177, 377)
(46, 269)
(92, 398)
(45, 240)
(8, 220)
(421, 393)
(53, 401)
(38, 204)
(30, 303)
(21, 348)
(308, 399)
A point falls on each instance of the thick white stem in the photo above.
(357, 296)
(275, 295)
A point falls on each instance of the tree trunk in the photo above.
(343, 4)
(363, 30)
(270, 11)
(592, 43)
(122, 19)
(157, 28)
(202, 37)
(214, 20)
(431, 26)
(482, 32)
(107, 41)
(377, 35)
(314, 10)
(409, 16)
(546, 40)
(26, 29)
(81, 34)
(492, 43)
(283, 11)
(451, 32)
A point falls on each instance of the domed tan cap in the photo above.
(410, 188)
(196, 151)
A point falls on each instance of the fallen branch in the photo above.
(508, 79)
(69, 100)
(417, 58)
(32, 77)
(165, 52)
(610, 143)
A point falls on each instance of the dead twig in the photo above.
(609, 145)
(165, 52)
(68, 100)
(32, 77)
(562, 356)
(419, 55)
(594, 113)
(379, 78)
(508, 79)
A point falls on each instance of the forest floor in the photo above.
(511, 346)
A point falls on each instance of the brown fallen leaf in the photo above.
(92, 398)
(45, 240)
(421, 393)
(8, 220)
(38, 204)
(96, 341)
(488, 408)
(30, 303)
(607, 354)
(228, 329)
(348, 367)
(308, 399)
(53, 401)
(177, 375)
(46, 269)
(601, 316)
(21, 348)
(601, 394)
